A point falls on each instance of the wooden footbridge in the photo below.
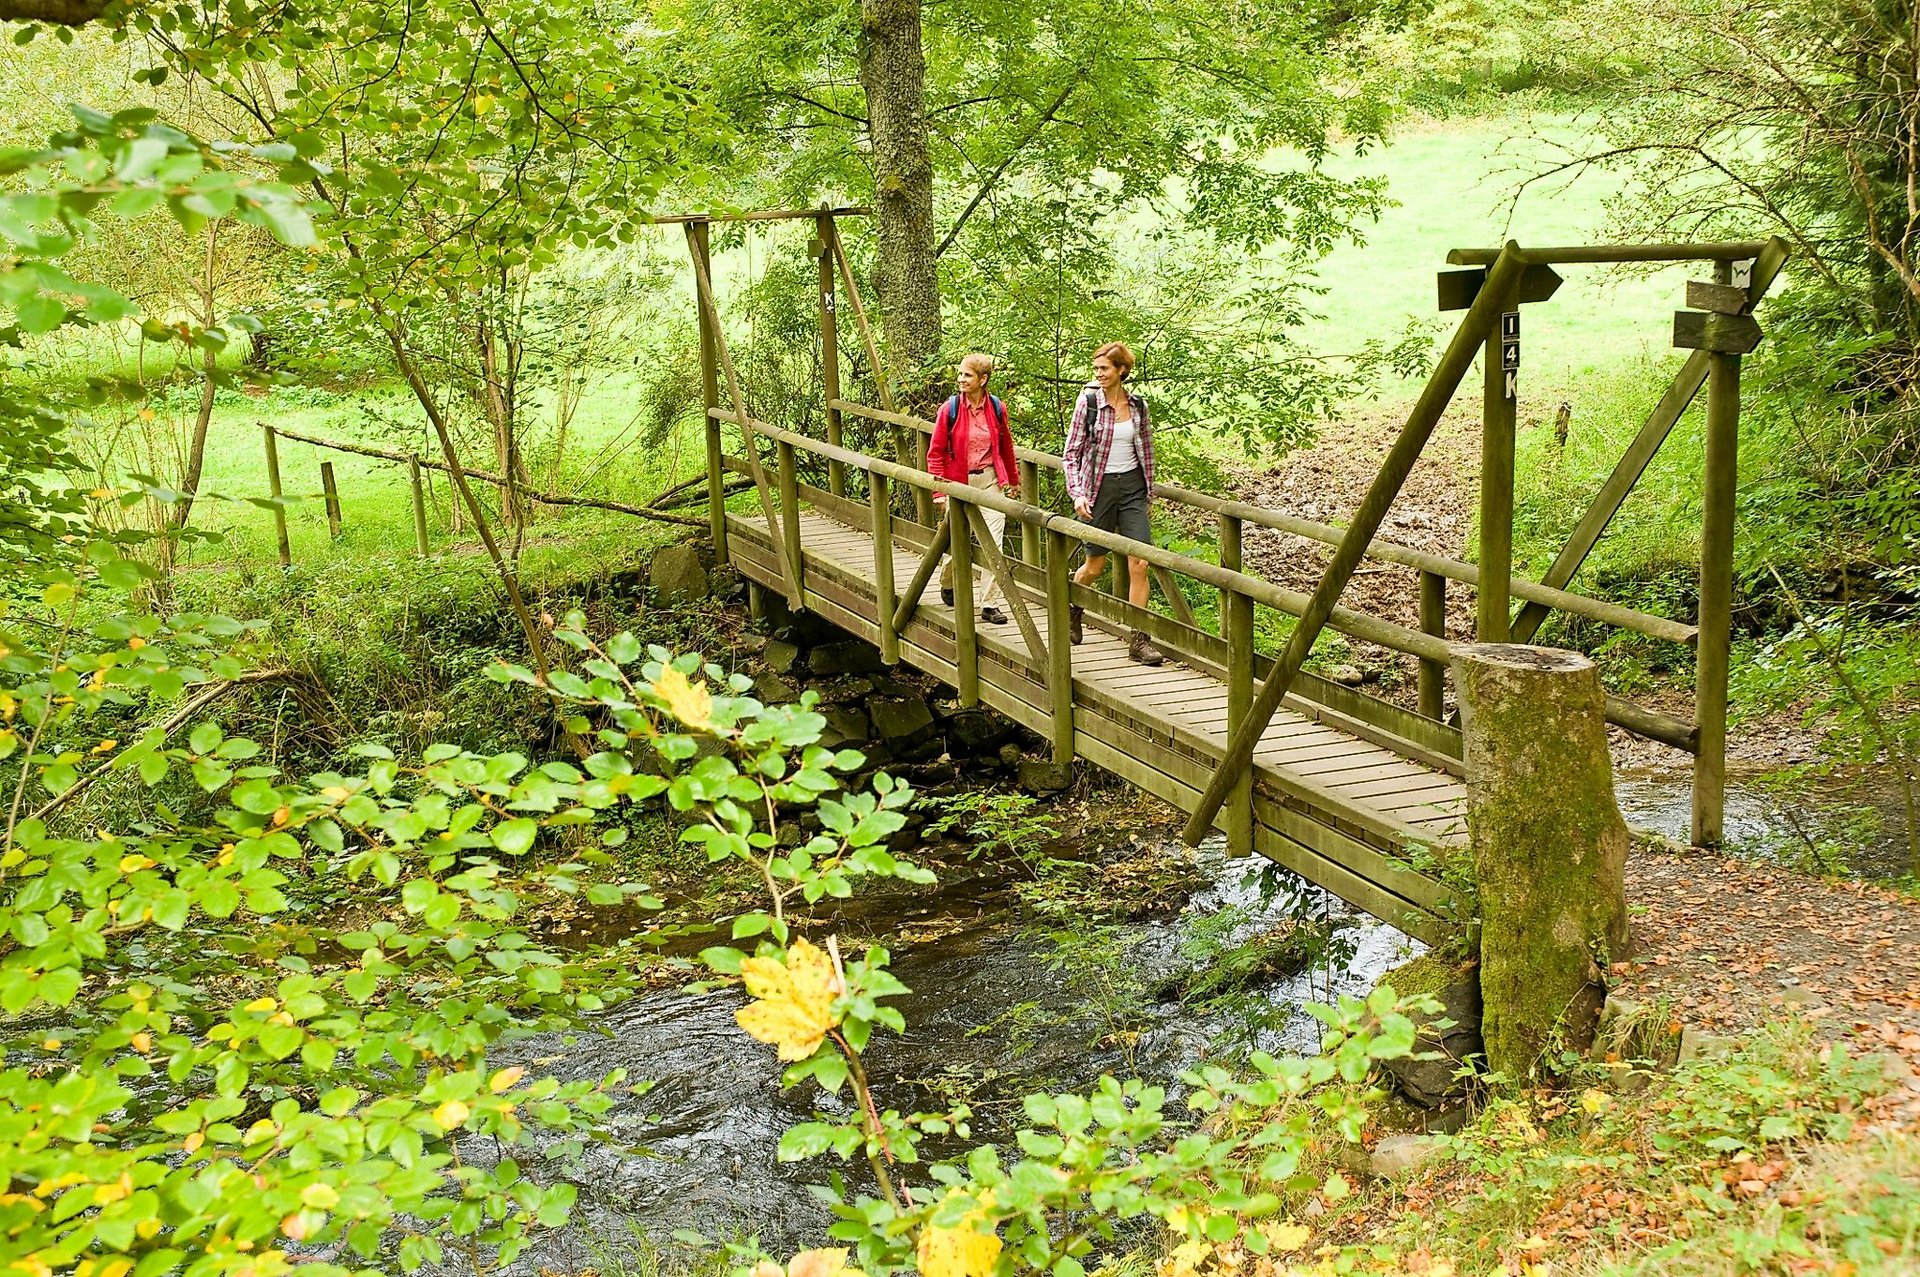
(1357, 794)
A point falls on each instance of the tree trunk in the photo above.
(893, 73)
(209, 365)
(1549, 849)
(496, 398)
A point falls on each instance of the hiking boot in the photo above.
(993, 616)
(1143, 651)
(1074, 631)
(946, 596)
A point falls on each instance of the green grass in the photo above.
(1455, 186)
(606, 457)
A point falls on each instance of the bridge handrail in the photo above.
(1372, 629)
(1567, 601)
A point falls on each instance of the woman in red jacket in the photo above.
(972, 445)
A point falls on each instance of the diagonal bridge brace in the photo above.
(1474, 329)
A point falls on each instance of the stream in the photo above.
(1000, 1005)
(1005, 999)
(1856, 829)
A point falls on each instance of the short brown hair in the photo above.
(1117, 354)
(978, 362)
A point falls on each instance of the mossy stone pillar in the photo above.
(1549, 847)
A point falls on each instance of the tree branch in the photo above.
(993, 178)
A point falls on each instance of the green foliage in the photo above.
(993, 822)
(1099, 173)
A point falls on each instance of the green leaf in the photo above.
(39, 314)
(515, 837)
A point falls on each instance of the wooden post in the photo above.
(1029, 532)
(419, 507)
(1059, 647)
(1481, 318)
(1231, 529)
(1499, 402)
(703, 283)
(830, 348)
(1720, 477)
(273, 490)
(879, 503)
(331, 491)
(710, 397)
(1433, 620)
(966, 632)
(790, 516)
(1549, 849)
(1237, 619)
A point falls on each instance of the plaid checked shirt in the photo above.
(1090, 441)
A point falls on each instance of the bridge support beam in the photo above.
(1549, 848)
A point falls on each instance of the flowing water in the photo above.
(1857, 829)
(1002, 1003)
(1004, 1000)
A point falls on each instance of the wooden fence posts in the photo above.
(1726, 332)
(1059, 647)
(697, 239)
(331, 491)
(1433, 620)
(273, 489)
(880, 506)
(420, 542)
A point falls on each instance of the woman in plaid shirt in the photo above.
(1109, 463)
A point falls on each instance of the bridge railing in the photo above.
(1046, 587)
(1428, 644)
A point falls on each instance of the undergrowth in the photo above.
(1773, 1158)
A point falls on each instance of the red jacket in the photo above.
(947, 453)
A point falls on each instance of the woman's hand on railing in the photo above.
(1082, 512)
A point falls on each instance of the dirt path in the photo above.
(1729, 941)
(1732, 943)
(1435, 513)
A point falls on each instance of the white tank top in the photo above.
(1123, 455)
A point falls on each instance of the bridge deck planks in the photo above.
(1320, 785)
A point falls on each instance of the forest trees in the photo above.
(1043, 128)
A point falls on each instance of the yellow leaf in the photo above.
(106, 746)
(142, 1042)
(966, 1251)
(118, 1266)
(1595, 1102)
(262, 1004)
(193, 1141)
(320, 1196)
(295, 1225)
(134, 863)
(505, 1079)
(451, 1114)
(1336, 1189)
(687, 701)
(1287, 1236)
(793, 1006)
(1187, 1258)
(482, 103)
(826, 1262)
(112, 1192)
